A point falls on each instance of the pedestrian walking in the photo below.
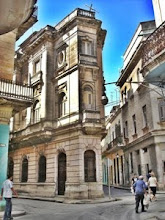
(134, 179)
(6, 192)
(140, 188)
(152, 183)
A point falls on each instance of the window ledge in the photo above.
(145, 129)
(134, 136)
(126, 140)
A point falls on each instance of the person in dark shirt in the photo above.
(149, 174)
(140, 188)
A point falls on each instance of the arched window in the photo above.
(62, 104)
(24, 170)
(42, 169)
(10, 167)
(36, 112)
(90, 166)
(88, 97)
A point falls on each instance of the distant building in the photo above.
(55, 144)
(112, 151)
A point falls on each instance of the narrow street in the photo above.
(123, 209)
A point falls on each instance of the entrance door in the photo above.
(61, 173)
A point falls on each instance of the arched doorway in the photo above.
(61, 173)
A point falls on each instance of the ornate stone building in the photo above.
(55, 144)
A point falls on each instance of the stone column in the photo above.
(5, 115)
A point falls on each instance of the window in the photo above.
(24, 170)
(138, 75)
(37, 66)
(42, 169)
(90, 166)
(36, 112)
(144, 110)
(88, 97)
(62, 104)
(162, 110)
(61, 58)
(164, 166)
(131, 161)
(10, 167)
(114, 166)
(145, 150)
(126, 130)
(87, 47)
(134, 123)
(147, 168)
(139, 170)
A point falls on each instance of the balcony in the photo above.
(12, 91)
(154, 46)
(91, 121)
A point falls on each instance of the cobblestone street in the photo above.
(123, 209)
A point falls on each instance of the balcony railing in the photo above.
(154, 45)
(12, 90)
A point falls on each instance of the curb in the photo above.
(72, 201)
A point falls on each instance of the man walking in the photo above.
(140, 188)
(7, 191)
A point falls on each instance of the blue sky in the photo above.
(119, 17)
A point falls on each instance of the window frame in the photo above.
(42, 169)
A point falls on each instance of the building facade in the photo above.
(13, 95)
(113, 156)
(55, 144)
(142, 105)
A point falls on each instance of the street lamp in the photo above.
(104, 98)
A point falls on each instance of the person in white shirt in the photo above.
(7, 192)
(152, 183)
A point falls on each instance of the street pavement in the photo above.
(122, 209)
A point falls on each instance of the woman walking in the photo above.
(152, 183)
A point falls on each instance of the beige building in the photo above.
(142, 104)
(113, 156)
(55, 143)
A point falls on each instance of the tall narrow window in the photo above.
(139, 170)
(62, 104)
(131, 161)
(87, 47)
(114, 166)
(90, 166)
(144, 110)
(162, 110)
(42, 169)
(134, 124)
(36, 112)
(126, 130)
(24, 170)
(10, 167)
(37, 66)
(88, 97)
